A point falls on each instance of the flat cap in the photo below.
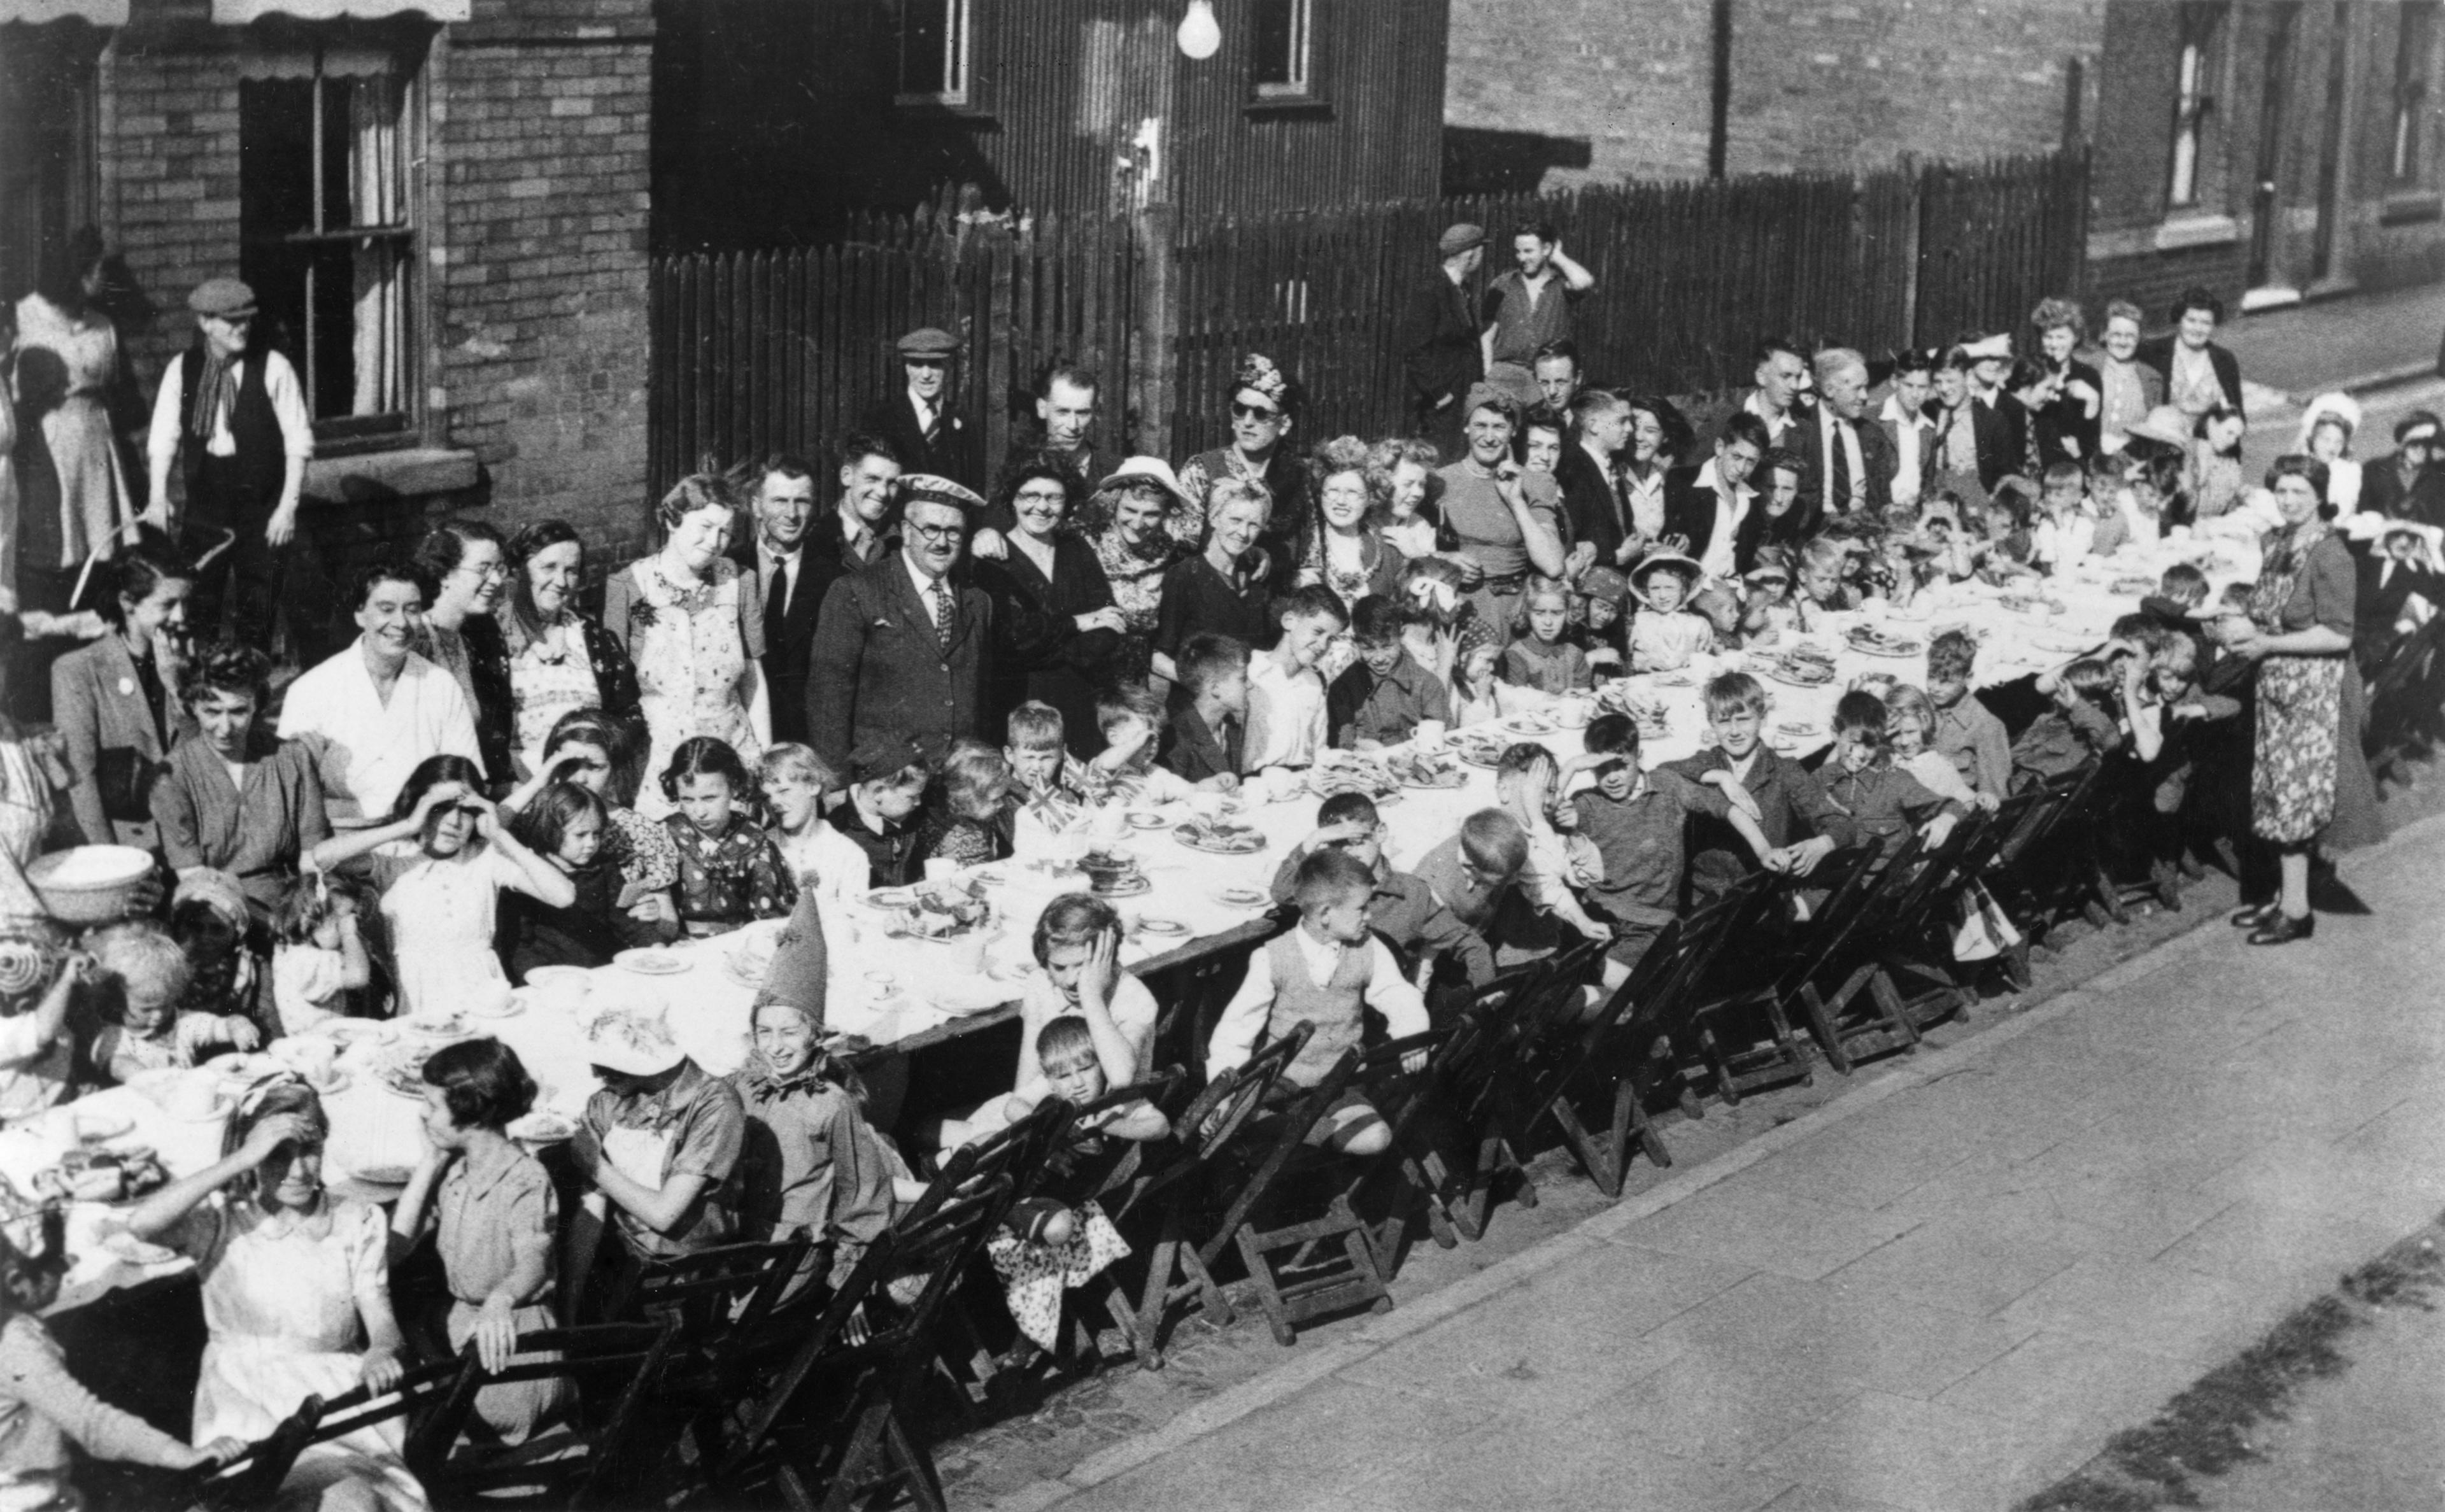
(927, 488)
(225, 297)
(929, 341)
(882, 755)
(1460, 239)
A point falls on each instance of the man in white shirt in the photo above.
(1782, 379)
(1286, 708)
(376, 710)
(775, 552)
(237, 422)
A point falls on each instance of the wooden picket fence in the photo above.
(758, 351)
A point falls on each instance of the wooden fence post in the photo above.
(1914, 235)
(1154, 336)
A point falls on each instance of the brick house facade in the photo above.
(2269, 149)
(443, 212)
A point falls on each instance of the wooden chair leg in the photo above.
(1822, 1024)
(914, 1464)
(1890, 1005)
(1597, 1157)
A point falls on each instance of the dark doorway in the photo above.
(2273, 96)
(2330, 143)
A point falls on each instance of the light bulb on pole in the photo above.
(1200, 35)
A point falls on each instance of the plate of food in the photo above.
(943, 911)
(400, 1071)
(1426, 768)
(1870, 640)
(1529, 724)
(1220, 837)
(103, 1176)
(1802, 666)
(1674, 679)
(1340, 771)
(1165, 928)
(1243, 898)
(1140, 819)
(892, 897)
(649, 960)
(1113, 874)
(1479, 750)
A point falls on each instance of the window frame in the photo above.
(2196, 63)
(2415, 49)
(1304, 92)
(958, 60)
(406, 424)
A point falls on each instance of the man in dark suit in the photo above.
(1440, 350)
(2196, 315)
(1846, 464)
(1706, 506)
(927, 433)
(1589, 475)
(863, 526)
(775, 552)
(2407, 483)
(902, 647)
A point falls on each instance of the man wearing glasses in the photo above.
(1258, 453)
(924, 428)
(902, 645)
(235, 421)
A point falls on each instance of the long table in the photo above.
(908, 994)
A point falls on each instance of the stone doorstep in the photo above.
(1295, 1374)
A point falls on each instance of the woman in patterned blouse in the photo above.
(730, 870)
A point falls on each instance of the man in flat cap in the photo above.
(233, 417)
(902, 648)
(924, 428)
(1440, 347)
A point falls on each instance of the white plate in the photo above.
(546, 976)
(650, 962)
(1169, 928)
(1243, 898)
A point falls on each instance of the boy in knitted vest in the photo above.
(1326, 970)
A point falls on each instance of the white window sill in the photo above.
(2195, 230)
(374, 477)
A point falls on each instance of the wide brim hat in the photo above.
(2341, 408)
(1145, 470)
(632, 1041)
(2168, 423)
(1662, 561)
(2367, 525)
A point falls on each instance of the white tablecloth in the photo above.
(889, 989)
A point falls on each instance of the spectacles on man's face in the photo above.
(1254, 412)
(938, 534)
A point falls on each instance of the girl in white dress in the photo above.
(439, 865)
(296, 1299)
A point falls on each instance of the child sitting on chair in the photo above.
(1884, 801)
(318, 957)
(1540, 654)
(1602, 632)
(1403, 908)
(1327, 971)
(2062, 740)
(1379, 698)
(140, 973)
(1665, 635)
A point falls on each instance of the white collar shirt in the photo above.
(365, 748)
(769, 562)
(1854, 462)
(1730, 510)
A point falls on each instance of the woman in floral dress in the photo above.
(1127, 523)
(561, 658)
(94, 503)
(1346, 552)
(694, 626)
(2309, 783)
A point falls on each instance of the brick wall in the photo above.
(543, 130)
(534, 248)
(1816, 86)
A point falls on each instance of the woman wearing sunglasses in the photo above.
(441, 864)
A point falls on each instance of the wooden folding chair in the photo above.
(252, 1479)
(1903, 936)
(1630, 1042)
(831, 1428)
(1327, 1263)
(1176, 1185)
(1453, 1124)
(615, 1449)
(1737, 994)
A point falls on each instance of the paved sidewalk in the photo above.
(1941, 1292)
(2309, 348)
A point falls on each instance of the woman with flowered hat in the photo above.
(1263, 411)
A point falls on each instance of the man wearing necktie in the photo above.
(902, 647)
(922, 421)
(1847, 463)
(776, 550)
